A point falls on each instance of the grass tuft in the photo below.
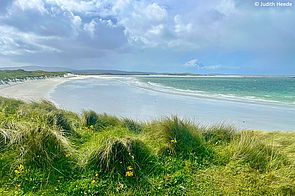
(259, 156)
(132, 125)
(220, 134)
(58, 119)
(184, 139)
(42, 147)
(9, 106)
(89, 118)
(120, 155)
(104, 121)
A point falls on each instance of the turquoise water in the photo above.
(140, 99)
(274, 89)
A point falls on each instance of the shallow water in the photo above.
(123, 97)
(272, 89)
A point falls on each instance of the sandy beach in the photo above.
(32, 90)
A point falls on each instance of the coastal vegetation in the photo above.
(49, 151)
(7, 76)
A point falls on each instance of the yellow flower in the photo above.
(129, 173)
(20, 169)
(96, 175)
(93, 181)
(174, 141)
(129, 168)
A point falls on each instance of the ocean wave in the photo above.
(194, 93)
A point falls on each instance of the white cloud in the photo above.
(155, 12)
(227, 7)
(143, 23)
(30, 4)
(180, 27)
(156, 30)
(14, 42)
(77, 21)
(90, 27)
(120, 5)
(191, 63)
(74, 5)
(195, 63)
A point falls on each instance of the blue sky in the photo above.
(216, 36)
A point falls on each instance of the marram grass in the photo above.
(48, 151)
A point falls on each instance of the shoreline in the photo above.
(114, 96)
(42, 88)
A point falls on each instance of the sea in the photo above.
(268, 89)
(260, 103)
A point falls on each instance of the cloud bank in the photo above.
(161, 35)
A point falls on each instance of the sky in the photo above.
(196, 36)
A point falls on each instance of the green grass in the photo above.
(14, 75)
(48, 151)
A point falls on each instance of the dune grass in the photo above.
(48, 151)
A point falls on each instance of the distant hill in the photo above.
(37, 68)
(90, 71)
(111, 72)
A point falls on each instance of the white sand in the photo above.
(32, 90)
(36, 90)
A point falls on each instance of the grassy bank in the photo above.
(45, 150)
(7, 76)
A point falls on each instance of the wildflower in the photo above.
(120, 186)
(129, 173)
(129, 168)
(96, 175)
(19, 170)
(173, 141)
(93, 181)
